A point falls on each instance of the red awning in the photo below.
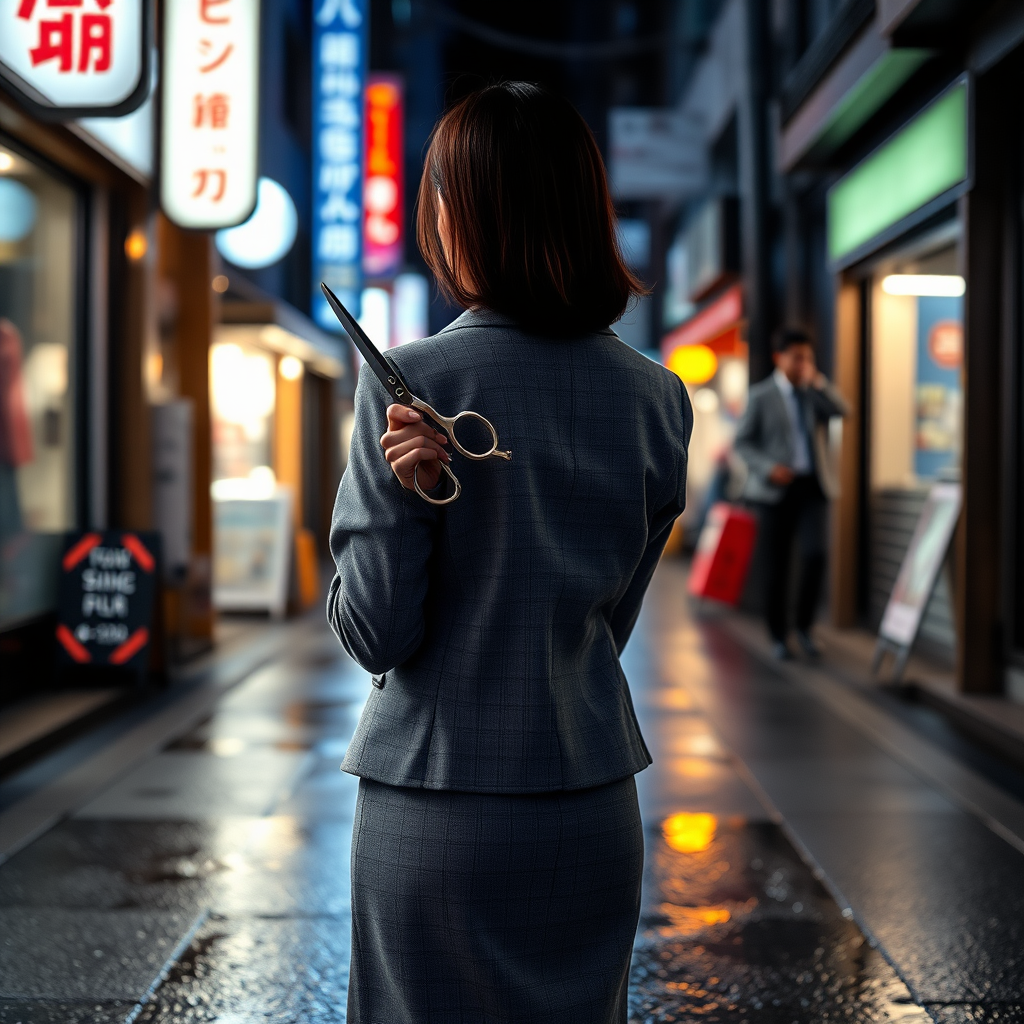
(717, 322)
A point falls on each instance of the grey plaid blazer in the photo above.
(493, 626)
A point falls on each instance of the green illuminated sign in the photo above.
(922, 161)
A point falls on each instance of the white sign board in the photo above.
(252, 541)
(655, 154)
(75, 58)
(210, 112)
(921, 565)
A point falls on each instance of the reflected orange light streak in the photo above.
(692, 767)
(690, 832)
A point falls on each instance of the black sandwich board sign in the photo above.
(106, 599)
(917, 576)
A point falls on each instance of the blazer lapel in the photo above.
(782, 415)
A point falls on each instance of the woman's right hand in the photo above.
(410, 441)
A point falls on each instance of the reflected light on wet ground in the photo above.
(689, 832)
(736, 929)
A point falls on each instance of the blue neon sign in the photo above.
(340, 29)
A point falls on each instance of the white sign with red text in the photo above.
(210, 112)
(75, 58)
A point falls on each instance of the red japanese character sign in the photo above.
(210, 111)
(75, 58)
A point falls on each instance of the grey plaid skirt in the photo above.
(480, 908)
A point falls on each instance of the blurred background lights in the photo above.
(6, 162)
(268, 235)
(375, 317)
(944, 285)
(693, 364)
(220, 284)
(18, 208)
(135, 245)
(290, 368)
(705, 400)
(242, 385)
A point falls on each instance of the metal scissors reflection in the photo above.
(399, 392)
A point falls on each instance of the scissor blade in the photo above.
(381, 366)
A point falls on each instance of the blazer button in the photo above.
(378, 681)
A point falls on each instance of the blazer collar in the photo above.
(481, 316)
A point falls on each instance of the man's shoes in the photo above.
(807, 644)
(780, 651)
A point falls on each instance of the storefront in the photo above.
(279, 387)
(71, 239)
(896, 241)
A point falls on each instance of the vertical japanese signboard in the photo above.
(210, 111)
(75, 58)
(339, 72)
(383, 222)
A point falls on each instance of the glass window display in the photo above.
(37, 368)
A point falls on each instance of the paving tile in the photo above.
(326, 792)
(943, 894)
(243, 972)
(735, 929)
(89, 955)
(106, 865)
(868, 783)
(978, 1013)
(191, 786)
(53, 1011)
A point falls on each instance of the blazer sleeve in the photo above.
(827, 401)
(627, 610)
(747, 443)
(381, 538)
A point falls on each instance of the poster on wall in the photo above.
(938, 399)
(339, 73)
(65, 59)
(210, 112)
(106, 599)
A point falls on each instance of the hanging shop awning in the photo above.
(717, 326)
(281, 328)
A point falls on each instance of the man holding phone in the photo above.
(783, 439)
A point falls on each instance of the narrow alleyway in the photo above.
(209, 882)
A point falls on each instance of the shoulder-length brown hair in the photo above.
(532, 229)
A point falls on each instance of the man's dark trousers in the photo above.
(800, 515)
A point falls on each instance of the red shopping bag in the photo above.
(723, 554)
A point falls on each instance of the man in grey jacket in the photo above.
(782, 438)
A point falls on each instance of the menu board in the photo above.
(921, 566)
(252, 540)
(106, 599)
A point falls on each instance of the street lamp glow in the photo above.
(268, 235)
(290, 368)
(943, 285)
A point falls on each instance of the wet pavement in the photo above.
(799, 867)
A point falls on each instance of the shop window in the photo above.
(243, 396)
(916, 357)
(37, 369)
(915, 411)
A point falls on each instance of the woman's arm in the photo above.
(623, 617)
(381, 540)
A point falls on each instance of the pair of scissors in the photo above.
(400, 393)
